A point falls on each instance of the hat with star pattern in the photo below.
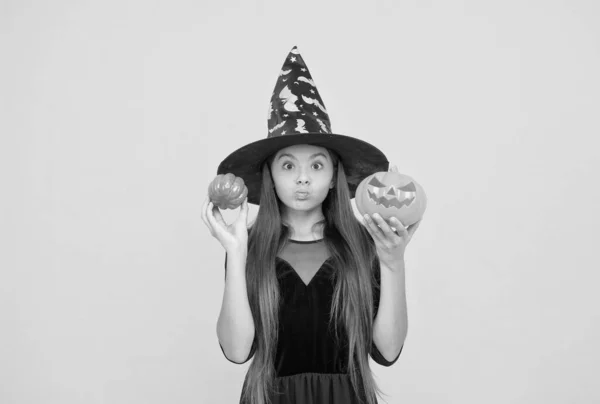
(297, 115)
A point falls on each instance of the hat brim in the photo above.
(360, 159)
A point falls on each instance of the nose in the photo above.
(302, 178)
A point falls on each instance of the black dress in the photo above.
(310, 367)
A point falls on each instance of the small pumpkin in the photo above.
(227, 191)
(391, 194)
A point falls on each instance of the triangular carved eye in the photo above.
(410, 187)
(376, 183)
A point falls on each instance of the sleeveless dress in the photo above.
(310, 367)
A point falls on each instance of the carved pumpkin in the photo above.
(227, 191)
(391, 194)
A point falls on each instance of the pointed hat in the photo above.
(297, 115)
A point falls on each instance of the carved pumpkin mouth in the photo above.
(390, 196)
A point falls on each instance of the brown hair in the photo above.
(352, 248)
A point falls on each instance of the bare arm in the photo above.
(235, 327)
(391, 323)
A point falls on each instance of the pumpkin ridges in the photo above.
(227, 191)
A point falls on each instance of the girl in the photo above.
(303, 283)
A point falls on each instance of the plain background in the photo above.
(116, 114)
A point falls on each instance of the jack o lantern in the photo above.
(227, 191)
(391, 194)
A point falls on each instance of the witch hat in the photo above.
(297, 115)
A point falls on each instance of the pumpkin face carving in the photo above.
(227, 191)
(391, 194)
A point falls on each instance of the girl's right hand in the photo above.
(233, 237)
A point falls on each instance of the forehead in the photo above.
(302, 151)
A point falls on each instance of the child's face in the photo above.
(296, 169)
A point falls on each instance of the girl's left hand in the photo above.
(390, 244)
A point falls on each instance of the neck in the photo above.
(301, 223)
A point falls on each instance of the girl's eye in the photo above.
(285, 164)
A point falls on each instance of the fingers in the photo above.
(243, 216)
(211, 215)
(397, 224)
(371, 225)
(216, 213)
(207, 216)
(382, 229)
(203, 211)
(383, 224)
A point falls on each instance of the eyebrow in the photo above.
(311, 157)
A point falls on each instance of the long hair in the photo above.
(351, 247)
